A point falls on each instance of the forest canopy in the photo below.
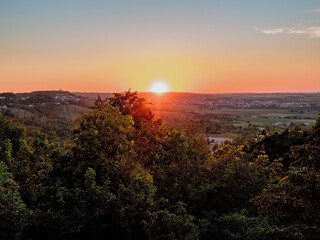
(125, 175)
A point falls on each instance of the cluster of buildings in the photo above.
(66, 97)
(40, 98)
(240, 103)
(256, 103)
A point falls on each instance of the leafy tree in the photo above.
(292, 196)
(130, 104)
(12, 209)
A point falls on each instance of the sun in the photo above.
(159, 87)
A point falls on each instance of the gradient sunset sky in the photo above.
(203, 46)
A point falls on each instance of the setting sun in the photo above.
(159, 87)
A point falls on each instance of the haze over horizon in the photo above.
(193, 46)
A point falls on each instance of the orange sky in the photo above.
(194, 47)
(258, 72)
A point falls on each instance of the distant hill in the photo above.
(149, 96)
(93, 95)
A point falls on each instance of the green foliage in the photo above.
(237, 177)
(102, 143)
(291, 198)
(173, 223)
(12, 208)
(278, 144)
(12, 131)
(241, 226)
(124, 176)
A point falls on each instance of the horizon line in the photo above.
(204, 93)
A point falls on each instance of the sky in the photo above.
(205, 46)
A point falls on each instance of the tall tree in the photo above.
(129, 103)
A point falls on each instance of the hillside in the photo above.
(70, 112)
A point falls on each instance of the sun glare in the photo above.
(159, 87)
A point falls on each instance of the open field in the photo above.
(228, 115)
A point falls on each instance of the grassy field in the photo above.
(269, 121)
(234, 121)
(262, 112)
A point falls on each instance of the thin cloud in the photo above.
(270, 31)
(310, 31)
(315, 11)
